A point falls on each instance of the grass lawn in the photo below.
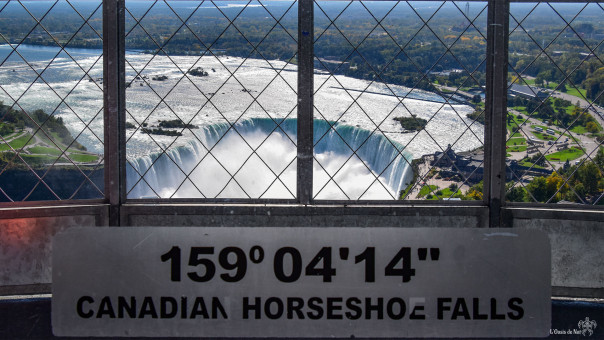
(48, 141)
(564, 155)
(516, 145)
(444, 194)
(574, 92)
(515, 141)
(579, 129)
(83, 158)
(551, 85)
(38, 159)
(17, 143)
(518, 148)
(543, 136)
(515, 122)
(44, 150)
(427, 189)
(521, 109)
(529, 164)
(447, 192)
(525, 81)
(57, 140)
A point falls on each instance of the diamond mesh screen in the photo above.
(51, 112)
(211, 99)
(555, 114)
(398, 89)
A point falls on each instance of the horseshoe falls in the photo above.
(257, 158)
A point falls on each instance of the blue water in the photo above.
(37, 53)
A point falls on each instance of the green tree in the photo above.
(579, 189)
(562, 88)
(591, 127)
(555, 186)
(537, 190)
(599, 159)
(589, 175)
(514, 193)
(475, 192)
(540, 80)
(594, 84)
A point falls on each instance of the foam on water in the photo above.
(210, 102)
(257, 159)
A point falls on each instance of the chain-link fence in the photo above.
(209, 107)
(406, 81)
(51, 146)
(555, 114)
(326, 101)
(211, 100)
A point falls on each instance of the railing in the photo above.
(310, 123)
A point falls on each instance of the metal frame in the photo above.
(119, 206)
(566, 74)
(114, 105)
(496, 102)
(305, 100)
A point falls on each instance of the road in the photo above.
(15, 136)
(589, 145)
(598, 114)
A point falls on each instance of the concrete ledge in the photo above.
(576, 247)
(41, 288)
(578, 292)
(287, 215)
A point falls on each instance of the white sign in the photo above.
(301, 282)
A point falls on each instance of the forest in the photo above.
(387, 42)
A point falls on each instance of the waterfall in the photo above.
(232, 170)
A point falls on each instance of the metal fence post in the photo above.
(305, 100)
(114, 106)
(496, 109)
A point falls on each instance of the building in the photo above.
(527, 92)
(444, 159)
(470, 167)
